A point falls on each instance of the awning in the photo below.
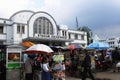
(47, 39)
(27, 44)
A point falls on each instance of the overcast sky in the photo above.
(101, 16)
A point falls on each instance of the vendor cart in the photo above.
(13, 62)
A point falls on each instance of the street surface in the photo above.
(107, 75)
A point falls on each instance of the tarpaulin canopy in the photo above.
(98, 45)
(27, 44)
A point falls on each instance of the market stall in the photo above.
(59, 67)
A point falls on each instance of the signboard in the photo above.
(13, 56)
(13, 60)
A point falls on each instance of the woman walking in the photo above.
(45, 69)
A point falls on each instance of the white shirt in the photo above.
(45, 67)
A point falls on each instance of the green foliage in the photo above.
(88, 31)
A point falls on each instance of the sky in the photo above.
(101, 16)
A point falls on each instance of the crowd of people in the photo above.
(44, 67)
(100, 60)
(77, 63)
(48, 66)
(37, 67)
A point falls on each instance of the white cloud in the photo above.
(9, 7)
(116, 3)
(108, 31)
(61, 10)
(94, 13)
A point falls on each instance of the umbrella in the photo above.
(75, 46)
(98, 45)
(57, 48)
(39, 48)
(54, 48)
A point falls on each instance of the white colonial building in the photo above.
(114, 42)
(37, 27)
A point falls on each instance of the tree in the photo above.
(88, 31)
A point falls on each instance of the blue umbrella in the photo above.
(98, 45)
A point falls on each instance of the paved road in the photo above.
(101, 75)
(108, 75)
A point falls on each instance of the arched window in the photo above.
(43, 25)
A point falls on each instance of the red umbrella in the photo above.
(75, 46)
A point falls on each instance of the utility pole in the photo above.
(77, 25)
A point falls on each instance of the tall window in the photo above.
(82, 37)
(1, 28)
(69, 36)
(23, 29)
(64, 33)
(20, 28)
(76, 36)
(43, 25)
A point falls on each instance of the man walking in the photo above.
(87, 67)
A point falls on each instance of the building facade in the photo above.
(113, 42)
(38, 27)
